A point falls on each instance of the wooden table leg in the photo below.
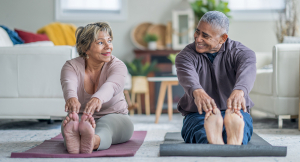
(170, 102)
(138, 99)
(147, 103)
(132, 101)
(160, 101)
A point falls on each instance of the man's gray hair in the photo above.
(217, 20)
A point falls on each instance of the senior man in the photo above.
(217, 74)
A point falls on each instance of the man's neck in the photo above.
(215, 49)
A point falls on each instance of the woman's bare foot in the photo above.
(71, 133)
(213, 125)
(87, 131)
(234, 125)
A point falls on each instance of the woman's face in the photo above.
(101, 49)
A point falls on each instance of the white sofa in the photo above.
(276, 90)
(30, 81)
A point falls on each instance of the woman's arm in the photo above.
(69, 84)
(116, 76)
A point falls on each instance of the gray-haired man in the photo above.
(217, 75)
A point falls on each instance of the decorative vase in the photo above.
(152, 45)
(174, 69)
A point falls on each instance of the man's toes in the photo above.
(216, 111)
(239, 114)
(229, 111)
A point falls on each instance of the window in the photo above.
(91, 10)
(255, 10)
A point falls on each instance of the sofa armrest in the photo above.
(286, 70)
(32, 72)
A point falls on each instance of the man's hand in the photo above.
(236, 101)
(72, 105)
(203, 101)
(93, 105)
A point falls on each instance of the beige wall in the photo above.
(31, 15)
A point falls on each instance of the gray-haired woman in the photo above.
(93, 86)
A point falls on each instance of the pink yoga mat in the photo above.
(54, 148)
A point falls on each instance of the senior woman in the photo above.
(93, 86)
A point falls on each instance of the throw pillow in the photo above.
(29, 37)
(5, 41)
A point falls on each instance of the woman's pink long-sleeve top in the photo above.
(110, 87)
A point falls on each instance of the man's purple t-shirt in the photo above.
(233, 68)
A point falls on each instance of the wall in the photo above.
(30, 15)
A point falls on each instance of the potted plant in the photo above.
(200, 8)
(287, 23)
(151, 40)
(139, 71)
(172, 58)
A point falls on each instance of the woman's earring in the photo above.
(87, 57)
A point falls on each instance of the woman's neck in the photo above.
(93, 66)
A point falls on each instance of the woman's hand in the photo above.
(92, 105)
(72, 105)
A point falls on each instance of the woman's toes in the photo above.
(71, 115)
(66, 121)
(84, 117)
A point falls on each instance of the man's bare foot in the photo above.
(213, 125)
(234, 125)
(87, 131)
(71, 133)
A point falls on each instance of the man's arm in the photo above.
(186, 72)
(189, 80)
(245, 76)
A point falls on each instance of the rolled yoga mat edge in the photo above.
(220, 150)
(174, 146)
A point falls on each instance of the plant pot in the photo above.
(140, 84)
(152, 45)
(174, 72)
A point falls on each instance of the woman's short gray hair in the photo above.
(217, 20)
(86, 35)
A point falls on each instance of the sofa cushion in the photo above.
(8, 74)
(263, 82)
(29, 37)
(4, 39)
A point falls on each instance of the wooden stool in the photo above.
(131, 106)
(166, 83)
(140, 86)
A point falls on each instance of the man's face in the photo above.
(208, 39)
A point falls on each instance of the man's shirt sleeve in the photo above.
(245, 71)
(186, 72)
